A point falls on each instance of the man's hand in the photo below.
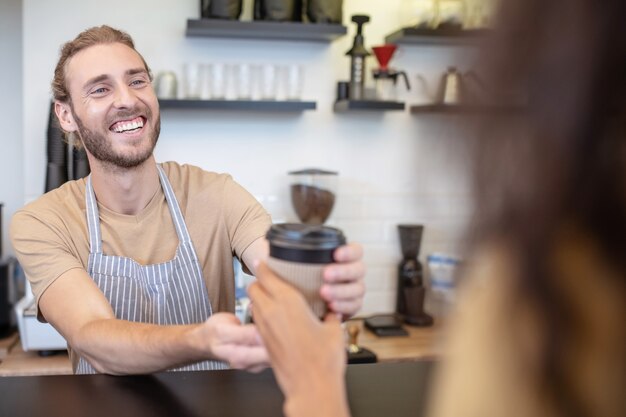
(230, 341)
(344, 287)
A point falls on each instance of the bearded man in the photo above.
(133, 264)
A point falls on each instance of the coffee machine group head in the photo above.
(411, 291)
(358, 53)
(386, 78)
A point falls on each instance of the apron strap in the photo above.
(172, 203)
(93, 221)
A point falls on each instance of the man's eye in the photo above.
(99, 91)
(138, 82)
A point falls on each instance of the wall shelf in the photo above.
(416, 36)
(464, 108)
(367, 105)
(248, 105)
(286, 31)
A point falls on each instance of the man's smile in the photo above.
(128, 126)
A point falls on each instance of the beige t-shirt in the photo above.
(50, 235)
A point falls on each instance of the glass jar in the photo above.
(451, 14)
(418, 13)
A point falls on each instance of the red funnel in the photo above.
(383, 54)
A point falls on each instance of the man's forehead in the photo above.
(102, 59)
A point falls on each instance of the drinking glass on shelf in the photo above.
(256, 82)
(243, 81)
(269, 82)
(294, 81)
(451, 14)
(193, 80)
(418, 13)
(217, 80)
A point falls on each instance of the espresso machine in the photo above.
(411, 290)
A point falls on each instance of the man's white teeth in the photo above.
(126, 126)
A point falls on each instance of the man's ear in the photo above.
(64, 114)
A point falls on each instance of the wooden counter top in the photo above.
(19, 363)
(421, 343)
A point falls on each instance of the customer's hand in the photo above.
(308, 355)
(344, 287)
(230, 341)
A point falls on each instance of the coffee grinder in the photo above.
(358, 53)
(313, 194)
(387, 78)
(411, 290)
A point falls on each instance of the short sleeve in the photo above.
(246, 219)
(42, 249)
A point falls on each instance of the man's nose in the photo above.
(125, 97)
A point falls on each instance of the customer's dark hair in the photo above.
(562, 160)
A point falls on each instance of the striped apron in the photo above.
(168, 293)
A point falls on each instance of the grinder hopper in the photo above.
(313, 194)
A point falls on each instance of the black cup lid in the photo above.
(305, 237)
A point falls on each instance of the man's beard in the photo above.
(101, 147)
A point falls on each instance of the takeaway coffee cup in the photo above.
(298, 254)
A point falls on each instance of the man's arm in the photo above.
(76, 307)
(343, 287)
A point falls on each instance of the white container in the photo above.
(442, 274)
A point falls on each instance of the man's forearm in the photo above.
(121, 347)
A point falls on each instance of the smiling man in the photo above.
(133, 264)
